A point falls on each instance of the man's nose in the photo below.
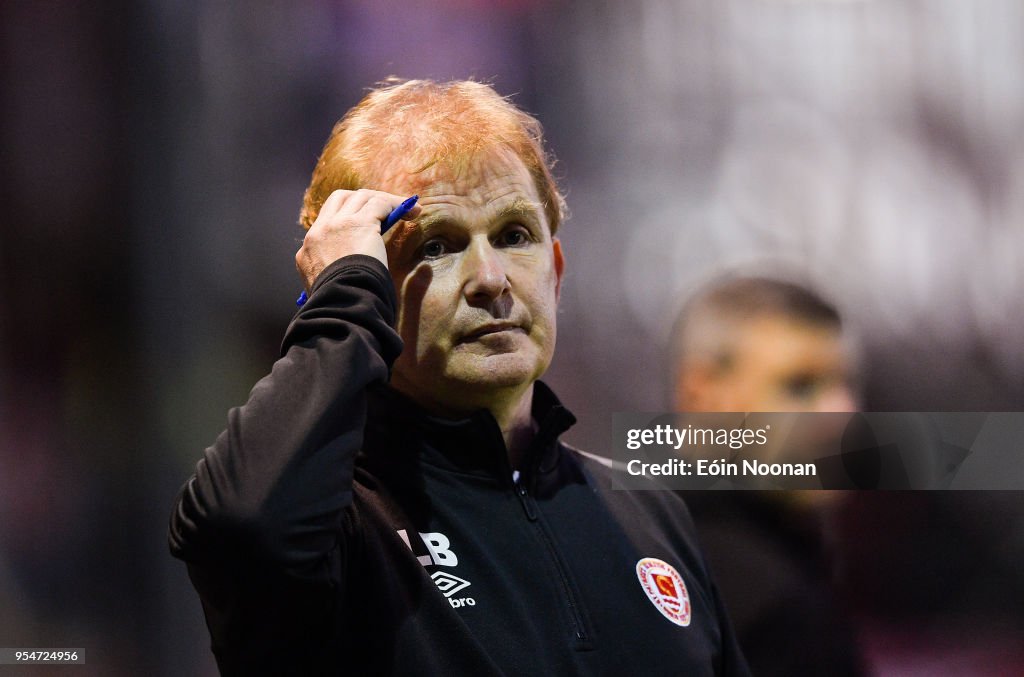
(484, 273)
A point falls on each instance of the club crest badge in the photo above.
(665, 588)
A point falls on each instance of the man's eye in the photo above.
(803, 386)
(432, 249)
(513, 238)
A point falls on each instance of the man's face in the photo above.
(780, 365)
(478, 276)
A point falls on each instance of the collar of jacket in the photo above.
(471, 445)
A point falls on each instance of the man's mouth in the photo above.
(488, 330)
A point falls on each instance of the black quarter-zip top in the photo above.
(336, 528)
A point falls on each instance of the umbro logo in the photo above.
(448, 584)
(439, 552)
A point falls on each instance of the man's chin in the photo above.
(496, 372)
(495, 380)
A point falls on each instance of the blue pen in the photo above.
(398, 212)
(394, 217)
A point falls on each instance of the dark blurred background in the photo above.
(155, 155)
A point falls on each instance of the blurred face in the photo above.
(778, 365)
(478, 276)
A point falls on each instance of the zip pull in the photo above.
(524, 497)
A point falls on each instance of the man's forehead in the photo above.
(494, 186)
(505, 208)
(454, 170)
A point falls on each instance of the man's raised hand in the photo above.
(349, 222)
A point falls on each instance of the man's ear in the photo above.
(559, 265)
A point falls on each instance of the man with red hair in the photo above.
(394, 498)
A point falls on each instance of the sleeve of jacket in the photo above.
(734, 664)
(273, 487)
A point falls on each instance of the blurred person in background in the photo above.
(762, 344)
(436, 524)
